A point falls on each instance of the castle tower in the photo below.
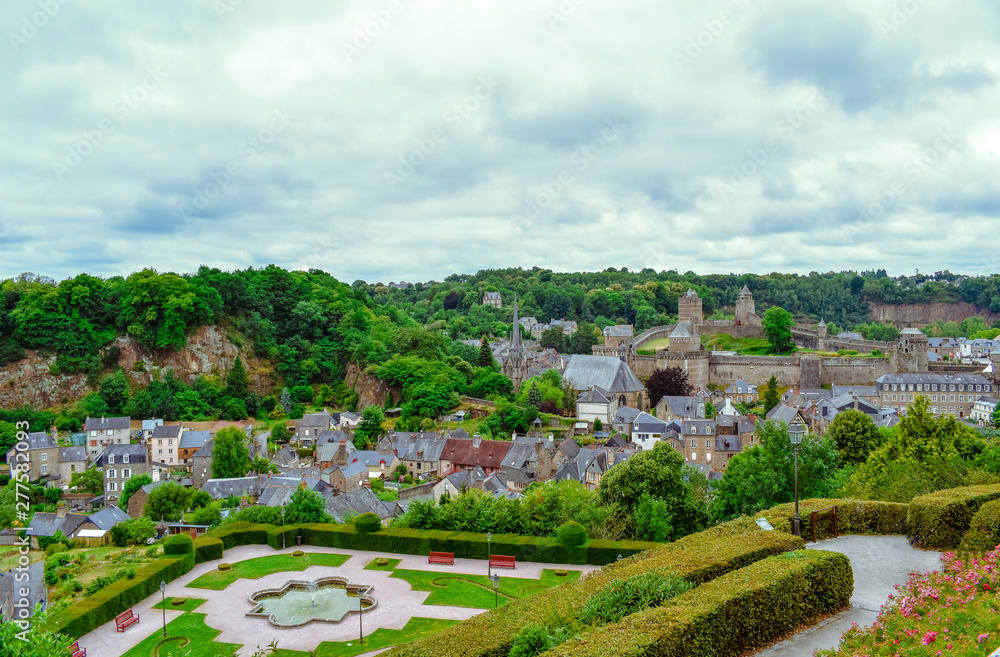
(689, 308)
(821, 344)
(911, 355)
(745, 307)
(516, 367)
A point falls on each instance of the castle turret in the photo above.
(911, 356)
(821, 344)
(689, 308)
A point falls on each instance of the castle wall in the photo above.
(755, 370)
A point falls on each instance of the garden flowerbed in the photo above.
(953, 612)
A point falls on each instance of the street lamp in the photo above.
(489, 554)
(496, 589)
(795, 433)
(361, 623)
(282, 526)
(163, 595)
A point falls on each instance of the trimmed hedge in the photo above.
(853, 517)
(101, 607)
(242, 533)
(207, 548)
(984, 529)
(939, 520)
(571, 534)
(698, 558)
(741, 611)
(367, 523)
(178, 545)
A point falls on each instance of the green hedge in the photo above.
(242, 533)
(101, 607)
(984, 529)
(698, 558)
(207, 548)
(939, 520)
(853, 517)
(738, 612)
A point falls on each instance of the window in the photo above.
(951, 398)
(93, 443)
(45, 457)
(45, 468)
(919, 387)
(93, 433)
(170, 451)
(111, 458)
(708, 444)
(934, 398)
(934, 387)
(125, 459)
(159, 442)
(961, 388)
(961, 398)
(307, 432)
(126, 473)
(159, 452)
(694, 444)
(111, 474)
(112, 486)
(952, 387)
(894, 398)
(893, 386)
(910, 387)
(72, 467)
(933, 409)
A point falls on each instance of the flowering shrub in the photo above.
(953, 612)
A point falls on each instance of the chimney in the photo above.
(55, 434)
(856, 405)
(477, 440)
(340, 457)
(61, 510)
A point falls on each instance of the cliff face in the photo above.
(921, 314)
(371, 391)
(208, 351)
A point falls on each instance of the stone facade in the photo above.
(689, 308)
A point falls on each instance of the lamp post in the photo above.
(795, 433)
(361, 623)
(489, 554)
(496, 590)
(282, 526)
(163, 595)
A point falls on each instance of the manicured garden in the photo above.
(187, 636)
(476, 591)
(262, 566)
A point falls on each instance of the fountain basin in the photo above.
(298, 603)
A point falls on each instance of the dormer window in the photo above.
(111, 459)
(125, 459)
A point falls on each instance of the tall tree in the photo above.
(778, 324)
(115, 392)
(306, 506)
(485, 354)
(771, 398)
(370, 428)
(668, 382)
(286, 400)
(134, 483)
(237, 385)
(534, 396)
(167, 502)
(230, 456)
(855, 434)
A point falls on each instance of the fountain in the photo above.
(328, 600)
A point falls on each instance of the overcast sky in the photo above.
(408, 140)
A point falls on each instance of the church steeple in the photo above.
(516, 367)
(515, 334)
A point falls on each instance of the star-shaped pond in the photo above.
(328, 599)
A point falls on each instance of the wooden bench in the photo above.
(502, 561)
(447, 558)
(126, 619)
(76, 651)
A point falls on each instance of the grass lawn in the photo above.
(656, 345)
(261, 566)
(187, 636)
(415, 629)
(9, 557)
(190, 604)
(476, 591)
(393, 563)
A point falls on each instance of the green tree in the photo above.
(534, 396)
(208, 515)
(652, 519)
(996, 417)
(855, 434)
(40, 639)
(167, 502)
(370, 428)
(88, 481)
(487, 383)
(771, 398)
(237, 385)
(133, 531)
(778, 324)
(306, 506)
(598, 425)
(230, 456)
(134, 483)
(763, 476)
(552, 338)
(115, 392)
(262, 465)
(279, 432)
(8, 504)
(485, 354)
(8, 436)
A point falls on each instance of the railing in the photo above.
(813, 516)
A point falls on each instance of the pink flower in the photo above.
(930, 637)
(979, 639)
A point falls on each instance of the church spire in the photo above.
(515, 334)
(516, 367)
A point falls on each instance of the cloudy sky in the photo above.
(404, 140)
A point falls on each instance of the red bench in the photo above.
(126, 619)
(76, 651)
(502, 561)
(447, 558)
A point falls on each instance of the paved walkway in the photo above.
(225, 610)
(879, 563)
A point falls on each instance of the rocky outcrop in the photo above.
(371, 390)
(921, 314)
(208, 351)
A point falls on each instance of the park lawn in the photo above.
(416, 628)
(476, 591)
(261, 566)
(393, 564)
(188, 626)
(190, 604)
(656, 345)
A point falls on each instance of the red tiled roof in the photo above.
(490, 453)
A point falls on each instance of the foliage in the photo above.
(132, 531)
(571, 534)
(210, 514)
(771, 398)
(853, 517)
(652, 519)
(623, 597)
(984, 528)
(763, 475)
(134, 483)
(88, 481)
(778, 323)
(237, 384)
(114, 390)
(485, 354)
(262, 465)
(37, 639)
(167, 502)
(939, 520)
(668, 382)
(368, 523)
(370, 428)
(230, 455)
(306, 506)
(855, 435)
(505, 420)
(536, 639)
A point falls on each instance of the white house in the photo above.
(595, 404)
(647, 430)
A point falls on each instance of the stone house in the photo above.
(378, 465)
(949, 394)
(680, 408)
(105, 431)
(609, 374)
(349, 477)
(615, 336)
(201, 465)
(119, 463)
(309, 428)
(42, 456)
(419, 452)
(460, 454)
(699, 440)
(741, 392)
(493, 300)
(189, 444)
(623, 419)
(71, 461)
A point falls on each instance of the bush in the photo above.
(368, 523)
(178, 545)
(207, 548)
(853, 517)
(939, 520)
(623, 597)
(571, 534)
(984, 529)
(241, 533)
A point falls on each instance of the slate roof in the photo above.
(315, 420)
(684, 330)
(41, 440)
(625, 414)
(468, 478)
(285, 455)
(205, 450)
(974, 379)
(646, 423)
(619, 331)
(352, 469)
(107, 423)
(741, 387)
(490, 453)
(162, 431)
(570, 448)
(460, 434)
(844, 402)
(136, 454)
(221, 489)
(47, 524)
(699, 427)
(617, 441)
(569, 470)
(683, 406)
(72, 454)
(194, 439)
(594, 396)
(279, 490)
(335, 436)
(370, 458)
(108, 517)
(610, 374)
(860, 391)
(356, 502)
(424, 447)
(782, 413)
(520, 455)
